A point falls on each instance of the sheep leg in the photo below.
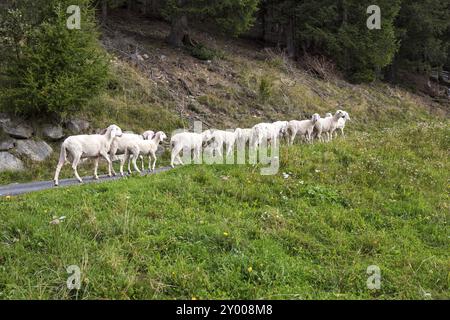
(58, 170)
(135, 157)
(111, 168)
(96, 168)
(75, 162)
(153, 155)
(106, 157)
(175, 154)
(142, 163)
(292, 138)
(129, 163)
(122, 162)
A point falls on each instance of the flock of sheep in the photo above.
(113, 142)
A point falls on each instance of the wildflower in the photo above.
(8, 197)
(250, 269)
(225, 234)
(194, 298)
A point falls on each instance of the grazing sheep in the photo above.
(341, 123)
(188, 141)
(327, 126)
(304, 128)
(87, 146)
(119, 146)
(144, 148)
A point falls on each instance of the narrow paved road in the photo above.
(22, 188)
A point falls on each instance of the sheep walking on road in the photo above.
(87, 146)
(144, 148)
(186, 142)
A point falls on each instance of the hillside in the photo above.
(377, 197)
(242, 85)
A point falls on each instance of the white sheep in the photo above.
(243, 135)
(187, 141)
(304, 128)
(87, 146)
(265, 131)
(341, 123)
(144, 147)
(327, 125)
(119, 146)
(220, 137)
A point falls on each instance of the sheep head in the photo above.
(148, 135)
(113, 131)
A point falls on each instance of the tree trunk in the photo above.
(104, 10)
(290, 39)
(178, 31)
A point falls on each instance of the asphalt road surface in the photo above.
(22, 188)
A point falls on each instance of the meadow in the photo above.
(378, 197)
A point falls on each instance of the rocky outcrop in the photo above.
(7, 144)
(77, 126)
(53, 132)
(35, 150)
(8, 162)
(17, 128)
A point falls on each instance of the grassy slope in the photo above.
(373, 199)
(380, 197)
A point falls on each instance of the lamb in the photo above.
(87, 146)
(188, 141)
(229, 138)
(328, 125)
(119, 146)
(142, 147)
(341, 123)
(304, 128)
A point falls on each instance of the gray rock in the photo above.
(160, 151)
(35, 150)
(8, 162)
(4, 118)
(7, 144)
(53, 132)
(17, 129)
(77, 126)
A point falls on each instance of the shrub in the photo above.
(50, 69)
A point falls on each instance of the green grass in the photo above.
(376, 198)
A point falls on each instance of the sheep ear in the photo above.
(113, 133)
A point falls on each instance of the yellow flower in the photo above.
(250, 269)
(8, 197)
(194, 298)
(225, 234)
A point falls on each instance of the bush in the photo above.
(50, 69)
(204, 53)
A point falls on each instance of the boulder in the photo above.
(77, 126)
(53, 132)
(7, 144)
(17, 129)
(35, 150)
(8, 162)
